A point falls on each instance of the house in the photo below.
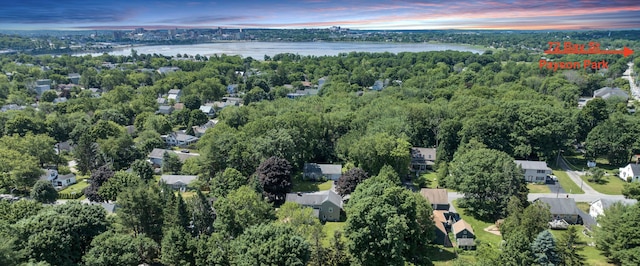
(630, 173)
(165, 110)
(562, 209)
(422, 159)
(41, 89)
(534, 171)
(208, 110)
(442, 234)
(178, 182)
(438, 198)
(64, 180)
(57, 180)
(161, 100)
(199, 131)
(156, 156)
(232, 89)
(327, 204)
(464, 234)
(174, 95)
(49, 175)
(378, 85)
(321, 82)
(608, 92)
(306, 84)
(316, 171)
(165, 70)
(43, 82)
(179, 139)
(302, 93)
(597, 207)
(74, 78)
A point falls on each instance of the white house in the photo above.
(597, 207)
(208, 110)
(179, 139)
(64, 180)
(174, 95)
(534, 171)
(178, 182)
(631, 171)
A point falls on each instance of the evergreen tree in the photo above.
(175, 247)
(201, 216)
(544, 250)
(569, 248)
(171, 163)
(143, 169)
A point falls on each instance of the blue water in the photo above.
(258, 50)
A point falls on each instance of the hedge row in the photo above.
(70, 195)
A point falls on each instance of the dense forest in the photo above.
(477, 109)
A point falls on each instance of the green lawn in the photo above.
(612, 185)
(584, 206)
(567, 184)
(478, 226)
(538, 188)
(77, 187)
(328, 228)
(308, 186)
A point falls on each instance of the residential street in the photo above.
(629, 75)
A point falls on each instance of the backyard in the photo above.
(310, 186)
(77, 187)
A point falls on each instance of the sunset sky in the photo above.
(371, 14)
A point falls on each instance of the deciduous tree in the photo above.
(488, 178)
(44, 192)
(349, 180)
(275, 178)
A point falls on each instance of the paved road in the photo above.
(629, 75)
(575, 177)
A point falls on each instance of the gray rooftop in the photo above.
(635, 168)
(325, 169)
(608, 92)
(560, 205)
(315, 198)
(159, 153)
(178, 179)
(606, 203)
(537, 165)
(426, 155)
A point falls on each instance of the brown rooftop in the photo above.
(435, 195)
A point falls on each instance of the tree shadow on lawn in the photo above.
(439, 253)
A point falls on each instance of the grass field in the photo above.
(328, 229)
(567, 184)
(538, 188)
(308, 186)
(612, 185)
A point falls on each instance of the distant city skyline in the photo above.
(364, 15)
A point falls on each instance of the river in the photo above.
(258, 50)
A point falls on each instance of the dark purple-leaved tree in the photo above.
(98, 177)
(274, 175)
(348, 181)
